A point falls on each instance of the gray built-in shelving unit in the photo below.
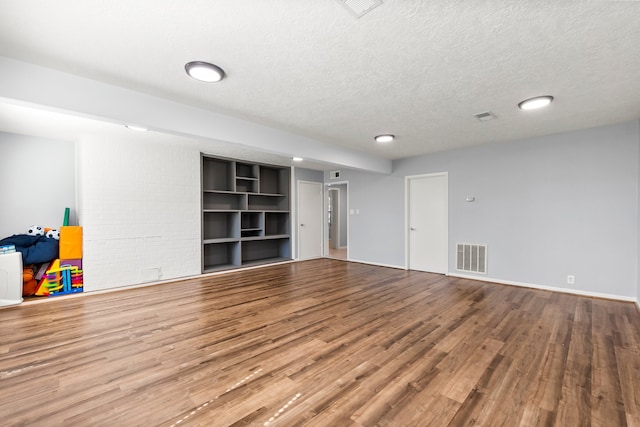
(245, 214)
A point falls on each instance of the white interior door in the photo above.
(428, 212)
(310, 216)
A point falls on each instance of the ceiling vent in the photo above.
(485, 117)
(360, 7)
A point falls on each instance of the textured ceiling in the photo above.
(417, 69)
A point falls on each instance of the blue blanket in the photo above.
(34, 249)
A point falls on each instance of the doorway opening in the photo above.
(337, 221)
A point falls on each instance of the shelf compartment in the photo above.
(246, 178)
(246, 185)
(252, 224)
(262, 202)
(220, 256)
(276, 223)
(220, 225)
(246, 170)
(271, 237)
(252, 220)
(217, 174)
(274, 180)
(224, 201)
(252, 232)
(265, 250)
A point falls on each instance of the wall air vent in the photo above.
(471, 258)
(360, 7)
(485, 117)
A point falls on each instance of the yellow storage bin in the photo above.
(71, 242)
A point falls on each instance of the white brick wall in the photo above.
(139, 205)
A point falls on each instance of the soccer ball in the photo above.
(35, 230)
(53, 234)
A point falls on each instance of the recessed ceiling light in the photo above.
(537, 102)
(297, 159)
(383, 139)
(204, 71)
(138, 128)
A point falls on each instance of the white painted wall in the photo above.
(546, 207)
(37, 182)
(140, 209)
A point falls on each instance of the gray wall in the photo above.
(546, 208)
(37, 182)
(376, 233)
(311, 175)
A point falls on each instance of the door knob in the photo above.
(412, 229)
(301, 225)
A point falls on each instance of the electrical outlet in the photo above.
(571, 279)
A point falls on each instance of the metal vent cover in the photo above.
(471, 258)
(485, 116)
(360, 7)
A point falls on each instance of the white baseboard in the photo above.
(298, 259)
(548, 288)
(638, 303)
(400, 267)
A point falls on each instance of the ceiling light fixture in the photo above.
(297, 159)
(383, 139)
(138, 128)
(537, 102)
(204, 71)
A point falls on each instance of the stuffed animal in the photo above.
(53, 234)
(35, 230)
(29, 282)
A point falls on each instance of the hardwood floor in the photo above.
(340, 253)
(322, 343)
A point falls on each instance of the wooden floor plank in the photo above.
(321, 343)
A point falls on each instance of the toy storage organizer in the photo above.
(64, 275)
